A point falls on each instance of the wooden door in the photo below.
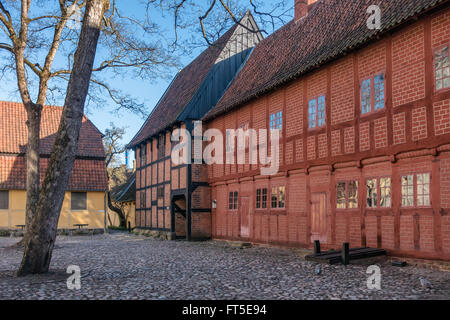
(244, 213)
(319, 217)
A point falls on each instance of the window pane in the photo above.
(372, 193)
(274, 198)
(235, 202)
(365, 96)
(78, 201)
(281, 197)
(279, 124)
(379, 91)
(4, 200)
(312, 114)
(423, 189)
(353, 194)
(258, 198)
(264, 198)
(340, 195)
(385, 190)
(407, 191)
(230, 201)
(321, 111)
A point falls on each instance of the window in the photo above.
(261, 198)
(347, 195)
(371, 193)
(372, 94)
(143, 202)
(381, 187)
(78, 201)
(143, 156)
(442, 68)
(385, 192)
(4, 200)
(278, 197)
(232, 200)
(316, 112)
(423, 190)
(407, 191)
(276, 121)
(416, 190)
(161, 146)
(353, 194)
(160, 192)
(340, 195)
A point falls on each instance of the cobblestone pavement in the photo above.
(122, 266)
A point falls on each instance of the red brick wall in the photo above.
(408, 65)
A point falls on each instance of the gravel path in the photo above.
(122, 266)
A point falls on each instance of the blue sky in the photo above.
(147, 92)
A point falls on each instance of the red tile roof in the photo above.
(181, 90)
(87, 175)
(89, 172)
(14, 131)
(332, 28)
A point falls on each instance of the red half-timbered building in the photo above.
(365, 119)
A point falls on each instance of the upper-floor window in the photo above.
(372, 94)
(78, 201)
(347, 195)
(4, 200)
(143, 202)
(160, 192)
(161, 146)
(261, 198)
(143, 155)
(278, 197)
(233, 200)
(416, 190)
(316, 112)
(442, 68)
(379, 193)
(276, 120)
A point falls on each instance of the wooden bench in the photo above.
(22, 226)
(80, 225)
(343, 256)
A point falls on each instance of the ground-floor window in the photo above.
(278, 197)
(261, 198)
(4, 200)
(78, 201)
(233, 200)
(416, 190)
(378, 192)
(347, 194)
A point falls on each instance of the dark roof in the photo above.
(180, 92)
(14, 131)
(125, 192)
(332, 28)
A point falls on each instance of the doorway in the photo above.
(319, 217)
(244, 213)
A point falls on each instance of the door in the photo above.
(319, 217)
(244, 213)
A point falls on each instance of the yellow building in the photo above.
(84, 202)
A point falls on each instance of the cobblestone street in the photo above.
(122, 266)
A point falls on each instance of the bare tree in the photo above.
(127, 44)
(113, 148)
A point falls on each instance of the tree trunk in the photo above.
(122, 219)
(34, 113)
(42, 232)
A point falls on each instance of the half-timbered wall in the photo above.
(410, 135)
